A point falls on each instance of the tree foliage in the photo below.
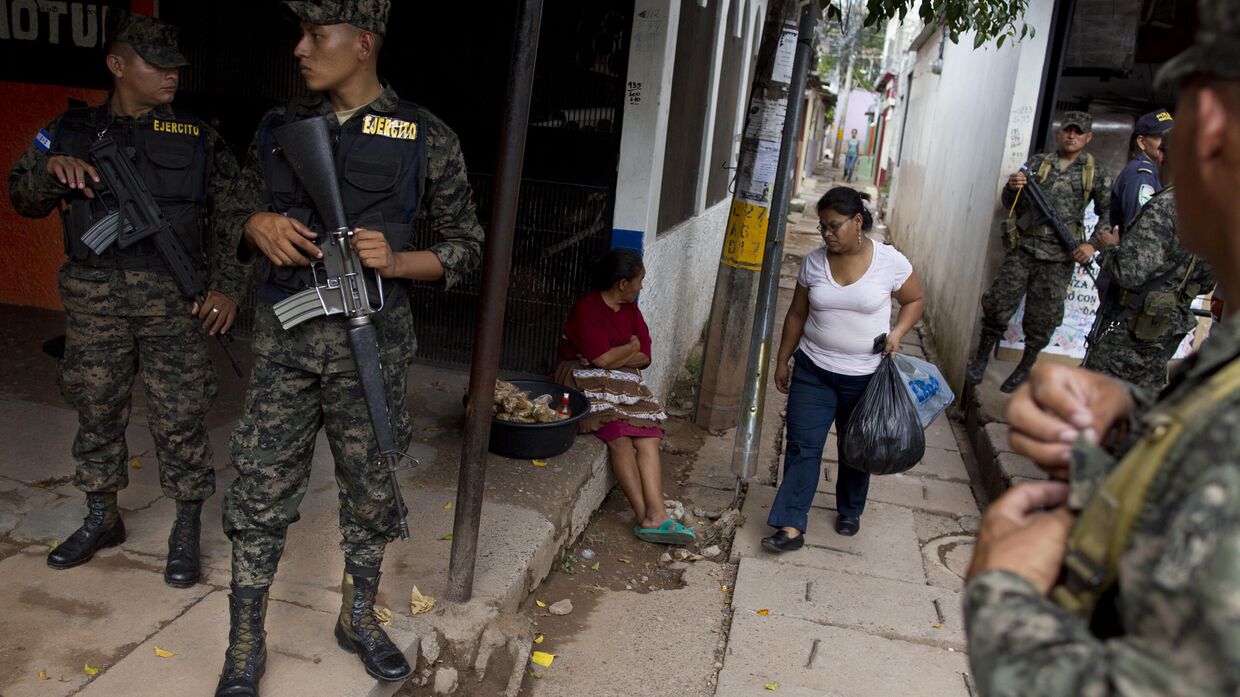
(998, 20)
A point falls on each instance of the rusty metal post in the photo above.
(488, 331)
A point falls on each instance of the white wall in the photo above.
(967, 129)
(680, 281)
(681, 263)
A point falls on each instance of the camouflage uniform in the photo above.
(122, 320)
(305, 378)
(1171, 628)
(1148, 258)
(1040, 269)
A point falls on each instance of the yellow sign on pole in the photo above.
(744, 244)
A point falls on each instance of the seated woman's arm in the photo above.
(912, 301)
(620, 356)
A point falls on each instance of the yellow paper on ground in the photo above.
(419, 603)
(542, 658)
(163, 653)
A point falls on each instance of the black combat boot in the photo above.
(976, 371)
(359, 632)
(1021, 374)
(183, 568)
(245, 660)
(102, 528)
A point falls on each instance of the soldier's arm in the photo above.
(1022, 643)
(228, 274)
(1141, 255)
(449, 205)
(1101, 196)
(244, 198)
(33, 190)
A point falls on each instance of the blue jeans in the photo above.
(850, 164)
(817, 398)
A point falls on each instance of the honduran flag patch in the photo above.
(43, 140)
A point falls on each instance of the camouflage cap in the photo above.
(370, 15)
(153, 39)
(1080, 119)
(1215, 51)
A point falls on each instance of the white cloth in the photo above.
(844, 320)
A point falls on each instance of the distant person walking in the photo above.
(850, 156)
(841, 303)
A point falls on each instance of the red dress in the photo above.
(621, 404)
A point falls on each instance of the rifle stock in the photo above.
(307, 146)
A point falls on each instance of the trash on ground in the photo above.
(419, 603)
(542, 658)
(163, 653)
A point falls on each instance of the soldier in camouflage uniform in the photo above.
(1168, 625)
(1037, 266)
(396, 162)
(124, 309)
(1149, 306)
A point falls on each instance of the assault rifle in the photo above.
(137, 217)
(1050, 218)
(340, 286)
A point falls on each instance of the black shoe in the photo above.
(780, 542)
(102, 528)
(976, 370)
(245, 660)
(183, 567)
(357, 630)
(847, 525)
(1018, 376)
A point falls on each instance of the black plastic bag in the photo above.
(884, 434)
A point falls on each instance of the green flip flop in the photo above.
(669, 533)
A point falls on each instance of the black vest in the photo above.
(171, 157)
(381, 163)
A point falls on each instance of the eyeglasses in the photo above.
(832, 228)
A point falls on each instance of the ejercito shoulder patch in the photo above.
(389, 127)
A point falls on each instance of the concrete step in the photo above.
(808, 659)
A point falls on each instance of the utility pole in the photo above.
(740, 260)
(749, 431)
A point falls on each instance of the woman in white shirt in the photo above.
(841, 305)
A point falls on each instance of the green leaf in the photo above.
(978, 40)
(999, 43)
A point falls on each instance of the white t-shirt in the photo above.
(844, 320)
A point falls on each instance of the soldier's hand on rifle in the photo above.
(283, 240)
(1108, 237)
(1017, 181)
(1059, 404)
(218, 312)
(73, 173)
(1083, 253)
(1018, 536)
(375, 252)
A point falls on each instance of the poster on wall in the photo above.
(1079, 312)
(56, 42)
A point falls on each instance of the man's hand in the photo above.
(1108, 237)
(73, 173)
(1017, 181)
(783, 375)
(1015, 536)
(1059, 404)
(1083, 253)
(218, 312)
(283, 240)
(375, 252)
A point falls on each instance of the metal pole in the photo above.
(488, 331)
(749, 431)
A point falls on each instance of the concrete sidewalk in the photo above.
(875, 614)
(111, 614)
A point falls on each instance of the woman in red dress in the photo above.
(605, 345)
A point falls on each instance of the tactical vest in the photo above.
(1103, 529)
(172, 159)
(381, 164)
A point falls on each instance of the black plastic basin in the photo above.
(535, 441)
